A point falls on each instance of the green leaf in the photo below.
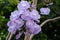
(13, 2)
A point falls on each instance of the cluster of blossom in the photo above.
(24, 16)
(45, 11)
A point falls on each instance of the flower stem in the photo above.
(34, 4)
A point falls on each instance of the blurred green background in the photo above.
(50, 31)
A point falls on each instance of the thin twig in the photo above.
(27, 37)
(7, 36)
(34, 3)
(31, 36)
(43, 23)
(10, 36)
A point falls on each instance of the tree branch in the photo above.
(34, 3)
(9, 36)
(43, 23)
(27, 37)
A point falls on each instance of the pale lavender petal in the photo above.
(34, 15)
(13, 26)
(36, 29)
(32, 27)
(14, 15)
(23, 5)
(45, 11)
(19, 22)
(10, 23)
(12, 30)
(25, 16)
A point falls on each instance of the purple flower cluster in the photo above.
(45, 11)
(15, 25)
(23, 16)
(33, 27)
(23, 5)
